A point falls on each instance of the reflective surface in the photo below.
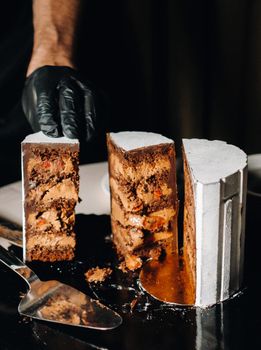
(57, 302)
(168, 280)
(147, 323)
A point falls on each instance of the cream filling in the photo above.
(154, 193)
(151, 222)
(129, 201)
(44, 221)
(64, 189)
(48, 167)
(135, 203)
(50, 241)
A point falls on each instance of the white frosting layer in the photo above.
(130, 140)
(212, 160)
(40, 137)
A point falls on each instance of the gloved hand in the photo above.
(56, 102)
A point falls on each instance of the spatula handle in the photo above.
(15, 264)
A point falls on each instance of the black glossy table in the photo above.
(147, 324)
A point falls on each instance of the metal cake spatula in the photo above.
(56, 302)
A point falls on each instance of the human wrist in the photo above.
(49, 57)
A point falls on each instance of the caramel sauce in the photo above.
(168, 280)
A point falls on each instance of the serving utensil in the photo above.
(12, 233)
(57, 302)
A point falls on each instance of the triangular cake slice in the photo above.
(214, 212)
(144, 203)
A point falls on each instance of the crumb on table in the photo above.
(97, 274)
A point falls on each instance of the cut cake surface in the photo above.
(144, 201)
(50, 193)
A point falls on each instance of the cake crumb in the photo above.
(122, 267)
(133, 304)
(131, 262)
(97, 274)
(156, 253)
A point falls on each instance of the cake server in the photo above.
(57, 302)
(12, 233)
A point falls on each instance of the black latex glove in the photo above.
(56, 102)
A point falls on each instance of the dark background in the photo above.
(181, 68)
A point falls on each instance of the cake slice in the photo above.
(50, 193)
(144, 202)
(215, 176)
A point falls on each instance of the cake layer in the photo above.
(126, 239)
(136, 172)
(133, 258)
(50, 247)
(45, 164)
(149, 188)
(50, 254)
(135, 238)
(50, 219)
(51, 240)
(133, 199)
(53, 190)
(154, 221)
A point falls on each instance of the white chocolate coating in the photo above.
(212, 160)
(219, 177)
(40, 137)
(130, 140)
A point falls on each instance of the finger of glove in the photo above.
(70, 109)
(47, 114)
(88, 110)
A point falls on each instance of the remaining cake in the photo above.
(144, 209)
(50, 193)
(214, 218)
(144, 202)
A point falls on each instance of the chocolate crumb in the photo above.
(133, 304)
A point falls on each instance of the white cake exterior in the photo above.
(219, 179)
(130, 140)
(40, 137)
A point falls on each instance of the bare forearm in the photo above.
(55, 24)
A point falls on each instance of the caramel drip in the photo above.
(168, 280)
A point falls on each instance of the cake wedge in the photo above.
(144, 204)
